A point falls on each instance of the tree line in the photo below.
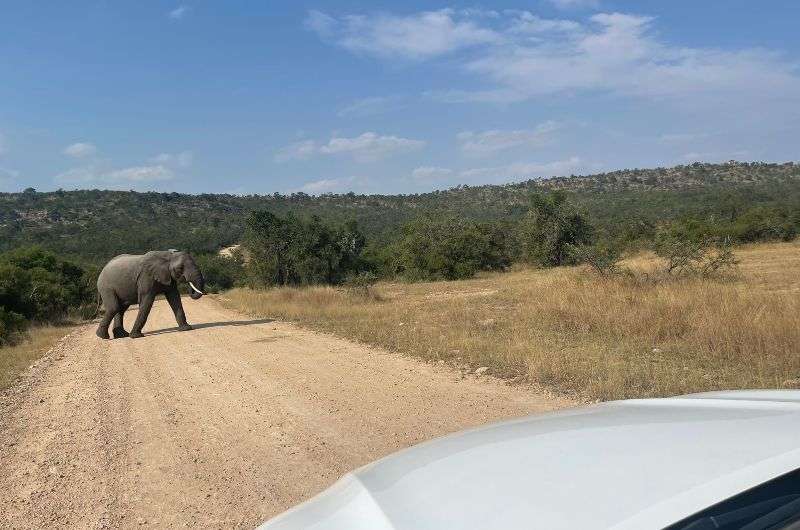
(554, 231)
(94, 225)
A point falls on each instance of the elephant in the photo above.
(129, 279)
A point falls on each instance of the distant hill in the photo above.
(93, 225)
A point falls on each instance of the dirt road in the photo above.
(219, 427)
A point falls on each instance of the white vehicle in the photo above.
(715, 460)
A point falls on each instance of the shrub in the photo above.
(221, 272)
(719, 258)
(38, 285)
(684, 256)
(552, 229)
(603, 258)
(11, 325)
(361, 284)
(449, 249)
(764, 224)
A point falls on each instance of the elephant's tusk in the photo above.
(198, 291)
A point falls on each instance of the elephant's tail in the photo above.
(99, 302)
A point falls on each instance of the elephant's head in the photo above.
(177, 266)
(183, 267)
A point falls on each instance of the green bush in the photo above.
(221, 272)
(449, 249)
(603, 258)
(764, 224)
(11, 325)
(38, 285)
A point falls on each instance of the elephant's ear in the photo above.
(158, 269)
(176, 264)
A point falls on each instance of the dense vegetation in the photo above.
(37, 285)
(756, 200)
(291, 251)
(689, 214)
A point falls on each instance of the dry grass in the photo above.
(14, 359)
(577, 333)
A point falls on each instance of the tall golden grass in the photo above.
(14, 359)
(578, 333)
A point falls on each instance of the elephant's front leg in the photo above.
(145, 305)
(174, 299)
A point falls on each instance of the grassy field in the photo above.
(574, 332)
(14, 359)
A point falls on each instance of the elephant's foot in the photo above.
(136, 334)
(185, 327)
(120, 333)
(102, 333)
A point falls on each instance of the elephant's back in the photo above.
(119, 270)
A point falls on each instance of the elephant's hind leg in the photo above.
(119, 331)
(111, 305)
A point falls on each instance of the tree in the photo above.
(551, 228)
(267, 239)
(292, 251)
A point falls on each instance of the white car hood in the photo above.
(633, 464)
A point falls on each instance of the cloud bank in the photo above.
(367, 147)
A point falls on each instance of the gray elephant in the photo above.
(129, 279)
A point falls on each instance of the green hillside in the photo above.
(92, 225)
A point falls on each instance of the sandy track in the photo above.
(219, 427)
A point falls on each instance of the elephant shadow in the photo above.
(203, 325)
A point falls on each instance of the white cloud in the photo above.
(179, 12)
(492, 141)
(575, 4)
(431, 173)
(619, 53)
(523, 170)
(527, 23)
(369, 106)
(329, 185)
(317, 21)
(80, 150)
(716, 156)
(301, 150)
(96, 173)
(183, 159)
(418, 36)
(141, 174)
(500, 174)
(520, 55)
(370, 146)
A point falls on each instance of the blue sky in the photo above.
(387, 97)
